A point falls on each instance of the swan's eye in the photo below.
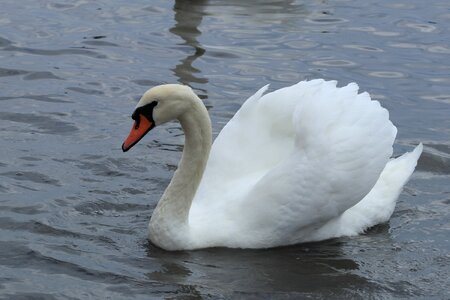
(151, 106)
(136, 118)
(146, 110)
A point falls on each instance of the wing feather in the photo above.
(295, 158)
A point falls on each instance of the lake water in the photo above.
(74, 209)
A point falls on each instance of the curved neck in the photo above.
(169, 221)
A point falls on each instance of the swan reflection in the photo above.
(188, 18)
(320, 268)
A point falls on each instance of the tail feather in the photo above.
(377, 206)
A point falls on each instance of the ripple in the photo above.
(435, 159)
(101, 207)
(248, 70)
(4, 42)
(364, 48)
(45, 229)
(440, 80)
(133, 191)
(11, 72)
(387, 74)
(42, 98)
(326, 20)
(286, 77)
(24, 210)
(30, 158)
(35, 177)
(43, 124)
(84, 52)
(41, 75)
(106, 167)
(439, 49)
(36, 227)
(25, 187)
(30, 295)
(386, 33)
(438, 98)
(301, 44)
(426, 28)
(21, 256)
(334, 63)
(433, 49)
(146, 82)
(100, 43)
(85, 91)
(406, 45)
(363, 28)
(60, 6)
(399, 5)
(4, 189)
(221, 54)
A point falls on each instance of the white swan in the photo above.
(304, 163)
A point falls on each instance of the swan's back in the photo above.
(291, 160)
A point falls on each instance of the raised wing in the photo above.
(295, 158)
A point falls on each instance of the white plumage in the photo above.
(303, 163)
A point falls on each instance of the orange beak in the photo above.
(137, 132)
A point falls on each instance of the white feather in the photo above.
(291, 161)
(303, 163)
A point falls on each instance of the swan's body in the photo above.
(304, 163)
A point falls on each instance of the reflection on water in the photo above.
(263, 272)
(74, 209)
(188, 18)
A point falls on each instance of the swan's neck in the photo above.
(169, 223)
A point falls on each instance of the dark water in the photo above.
(74, 208)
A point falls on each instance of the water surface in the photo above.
(74, 209)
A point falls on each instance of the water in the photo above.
(74, 208)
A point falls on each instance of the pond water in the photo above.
(74, 209)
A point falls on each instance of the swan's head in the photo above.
(158, 105)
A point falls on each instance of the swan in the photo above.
(304, 163)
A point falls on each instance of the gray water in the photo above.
(74, 209)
